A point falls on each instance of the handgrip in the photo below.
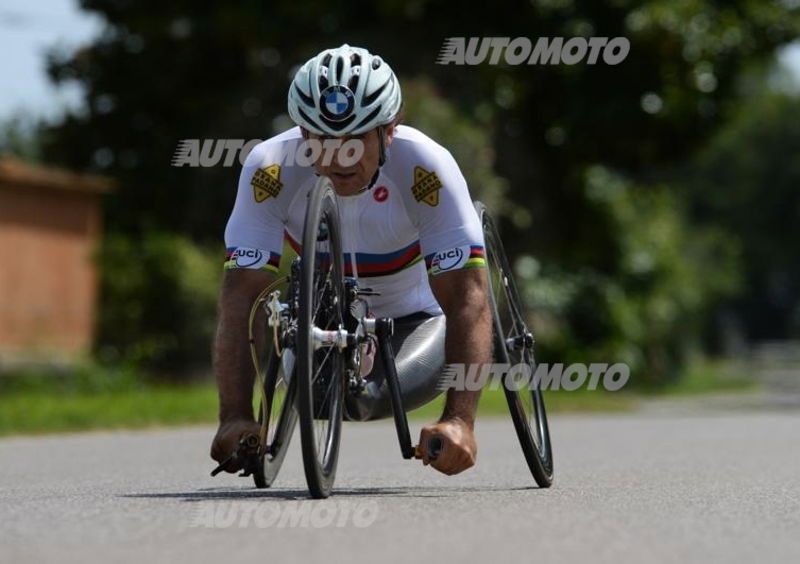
(223, 464)
(435, 447)
(248, 446)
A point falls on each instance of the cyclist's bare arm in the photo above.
(233, 366)
(463, 296)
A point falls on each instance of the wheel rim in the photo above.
(280, 410)
(510, 324)
(281, 416)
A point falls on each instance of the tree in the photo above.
(747, 181)
(165, 71)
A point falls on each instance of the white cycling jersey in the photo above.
(419, 207)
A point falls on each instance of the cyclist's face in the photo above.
(348, 172)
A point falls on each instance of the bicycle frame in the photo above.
(362, 328)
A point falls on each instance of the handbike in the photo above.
(316, 357)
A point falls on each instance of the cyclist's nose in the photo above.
(345, 156)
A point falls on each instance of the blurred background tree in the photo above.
(747, 182)
(631, 226)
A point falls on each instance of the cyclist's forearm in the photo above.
(468, 342)
(232, 364)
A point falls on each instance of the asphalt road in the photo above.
(630, 488)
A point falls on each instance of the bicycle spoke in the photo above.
(325, 422)
(325, 397)
(321, 431)
(319, 370)
(318, 305)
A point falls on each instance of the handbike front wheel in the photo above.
(320, 357)
(513, 344)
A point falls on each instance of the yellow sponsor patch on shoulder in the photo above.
(266, 182)
(426, 186)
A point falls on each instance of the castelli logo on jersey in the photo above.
(381, 194)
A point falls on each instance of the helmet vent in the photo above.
(368, 99)
(352, 84)
(369, 118)
(339, 69)
(338, 125)
(308, 119)
(308, 100)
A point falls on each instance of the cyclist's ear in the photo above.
(388, 133)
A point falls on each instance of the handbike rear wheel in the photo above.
(320, 367)
(280, 391)
(513, 344)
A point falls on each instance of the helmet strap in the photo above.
(382, 145)
(381, 158)
(371, 182)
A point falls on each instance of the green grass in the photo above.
(90, 397)
(43, 412)
(711, 375)
(56, 408)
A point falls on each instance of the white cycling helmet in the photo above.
(344, 91)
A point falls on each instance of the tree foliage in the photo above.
(532, 139)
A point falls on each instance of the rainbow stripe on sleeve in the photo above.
(476, 257)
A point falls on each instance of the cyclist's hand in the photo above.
(458, 445)
(227, 440)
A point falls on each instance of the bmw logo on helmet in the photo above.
(337, 102)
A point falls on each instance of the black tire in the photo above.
(281, 414)
(513, 344)
(320, 373)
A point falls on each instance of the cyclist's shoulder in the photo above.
(413, 155)
(411, 143)
(274, 150)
